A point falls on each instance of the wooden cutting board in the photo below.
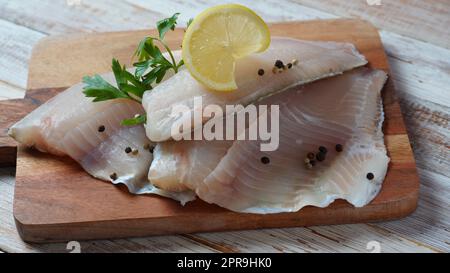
(55, 200)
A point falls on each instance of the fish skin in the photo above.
(316, 60)
(68, 125)
(346, 109)
(180, 166)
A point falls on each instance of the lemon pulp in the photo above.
(217, 38)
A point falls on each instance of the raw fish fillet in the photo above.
(316, 60)
(344, 110)
(179, 166)
(68, 124)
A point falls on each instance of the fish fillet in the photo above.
(316, 60)
(343, 110)
(180, 166)
(68, 124)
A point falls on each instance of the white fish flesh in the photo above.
(180, 166)
(344, 110)
(316, 60)
(69, 123)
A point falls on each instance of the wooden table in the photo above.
(416, 36)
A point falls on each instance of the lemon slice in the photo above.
(217, 38)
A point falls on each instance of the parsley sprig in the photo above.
(150, 69)
(150, 56)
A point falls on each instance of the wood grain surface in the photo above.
(414, 18)
(420, 69)
(55, 200)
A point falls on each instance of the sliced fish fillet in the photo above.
(316, 60)
(69, 123)
(180, 166)
(344, 110)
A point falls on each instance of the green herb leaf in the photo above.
(118, 72)
(99, 89)
(141, 119)
(146, 49)
(153, 65)
(151, 76)
(142, 67)
(140, 52)
(127, 82)
(134, 85)
(160, 75)
(128, 85)
(166, 24)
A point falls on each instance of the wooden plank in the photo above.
(16, 43)
(57, 17)
(8, 91)
(85, 48)
(154, 215)
(340, 238)
(9, 239)
(429, 224)
(269, 10)
(430, 134)
(420, 70)
(423, 20)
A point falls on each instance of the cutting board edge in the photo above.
(142, 227)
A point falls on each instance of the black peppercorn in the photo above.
(320, 156)
(339, 148)
(370, 176)
(113, 176)
(322, 149)
(279, 64)
(101, 128)
(265, 160)
(261, 72)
